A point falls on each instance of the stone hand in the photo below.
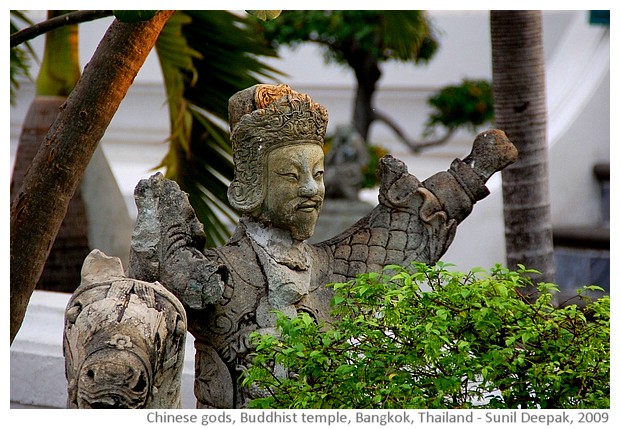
(168, 243)
(491, 152)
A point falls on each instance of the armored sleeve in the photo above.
(414, 221)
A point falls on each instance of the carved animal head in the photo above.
(123, 341)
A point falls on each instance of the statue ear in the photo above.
(245, 198)
(99, 267)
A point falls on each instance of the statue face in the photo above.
(295, 189)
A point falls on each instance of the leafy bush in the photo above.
(467, 105)
(426, 337)
(370, 178)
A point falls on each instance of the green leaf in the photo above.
(265, 15)
(337, 300)
(503, 292)
(345, 369)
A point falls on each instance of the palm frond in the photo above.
(409, 34)
(22, 55)
(206, 56)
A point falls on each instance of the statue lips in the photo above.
(310, 205)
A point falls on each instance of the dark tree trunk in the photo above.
(56, 171)
(367, 73)
(520, 111)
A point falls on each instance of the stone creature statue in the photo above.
(124, 340)
(345, 163)
(229, 292)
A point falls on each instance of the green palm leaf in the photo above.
(206, 56)
(20, 55)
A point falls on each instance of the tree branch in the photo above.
(415, 146)
(76, 17)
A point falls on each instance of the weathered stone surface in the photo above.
(124, 340)
(268, 264)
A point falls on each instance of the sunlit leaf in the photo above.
(265, 15)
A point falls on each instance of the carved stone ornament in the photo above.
(124, 340)
(231, 291)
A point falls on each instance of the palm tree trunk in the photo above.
(60, 71)
(520, 111)
(64, 263)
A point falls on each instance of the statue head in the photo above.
(277, 138)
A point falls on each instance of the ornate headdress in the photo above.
(263, 118)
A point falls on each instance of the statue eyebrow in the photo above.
(287, 168)
(293, 163)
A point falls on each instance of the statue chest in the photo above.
(227, 326)
(255, 288)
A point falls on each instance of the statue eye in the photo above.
(289, 175)
(318, 174)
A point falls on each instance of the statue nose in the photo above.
(113, 374)
(113, 378)
(308, 188)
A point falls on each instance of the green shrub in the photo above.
(467, 105)
(370, 177)
(426, 337)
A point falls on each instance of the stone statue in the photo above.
(345, 163)
(229, 292)
(124, 340)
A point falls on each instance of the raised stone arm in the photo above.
(416, 221)
(168, 242)
(491, 152)
(463, 184)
